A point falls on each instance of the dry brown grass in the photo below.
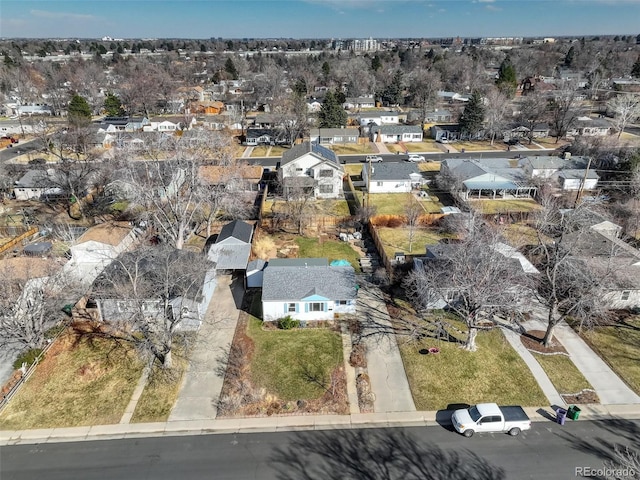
(264, 247)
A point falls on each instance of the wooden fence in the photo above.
(14, 241)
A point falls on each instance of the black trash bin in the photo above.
(573, 413)
(561, 416)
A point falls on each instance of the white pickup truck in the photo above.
(489, 417)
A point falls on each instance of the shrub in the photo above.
(29, 357)
(358, 357)
(287, 323)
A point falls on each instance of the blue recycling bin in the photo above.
(561, 416)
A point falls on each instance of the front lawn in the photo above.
(162, 389)
(562, 372)
(81, 381)
(331, 249)
(353, 149)
(494, 373)
(423, 147)
(619, 346)
(287, 363)
(480, 145)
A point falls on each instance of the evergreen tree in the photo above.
(326, 69)
(230, 68)
(78, 111)
(507, 81)
(376, 64)
(392, 93)
(570, 57)
(113, 106)
(331, 115)
(635, 70)
(473, 115)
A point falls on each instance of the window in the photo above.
(342, 302)
(316, 307)
(291, 307)
(328, 173)
(299, 169)
(326, 188)
(378, 184)
(625, 295)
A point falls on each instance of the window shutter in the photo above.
(286, 307)
(324, 307)
(297, 308)
(306, 307)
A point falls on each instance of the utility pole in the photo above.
(584, 180)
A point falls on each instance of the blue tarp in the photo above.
(340, 263)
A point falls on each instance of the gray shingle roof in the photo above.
(308, 147)
(238, 230)
(392, 171)
(294, 282)
(229, 257)
(395, 129)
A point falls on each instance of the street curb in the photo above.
(273, 424)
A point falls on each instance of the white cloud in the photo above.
(493, 8)
(62, 15)
(486, 1)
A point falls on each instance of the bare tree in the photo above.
(567, 285)
(533, 109)
(148, 296)
(497, 112)
(563, 109)
(298, 205)
(412, 212)
(472, 278)
(425, 85)
(625, 108)
(625, 464)
(33, 293)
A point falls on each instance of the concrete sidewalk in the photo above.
(384, 365)
(203, 383)
(610, 388)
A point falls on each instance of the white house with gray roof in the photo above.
(308, 289)
(392, 177)
(311, 168)
(232, 248)
(378, 118)
(396, 133)
(329, 136)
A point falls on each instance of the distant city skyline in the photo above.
(203, 19)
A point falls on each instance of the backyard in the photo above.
(81, 381)
(515, 205)
(395, 203)
(326, 207)
(331, 249)
(397, 239)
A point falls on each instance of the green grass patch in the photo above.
(353, 149)
(81, 381)
(120, 206)
(162, 389)
(397, 239)
(564, 375)
(331, 249)
(619, 346)
(285, 359)
(494, 373)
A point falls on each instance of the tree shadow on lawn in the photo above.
(376, 454)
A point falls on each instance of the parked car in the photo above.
(443, 140)
(489, 417)
(415, 158)
(373, 158)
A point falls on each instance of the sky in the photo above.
(316, 18)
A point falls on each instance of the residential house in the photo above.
(330, 136)
(392, 177)
(265, 136)
(396, 133)
(445, 133)
(626, 85)
(187, 302)
(602, 250)
(487, 178)
(452, 97)
(312, 167)
(517, 131)
(570, 173)
(169, 124)
(378, 118)
(590, 127)
(214, 107)
(314, 105)
(33, 109)
(439, 116)
(307, 289)
(352, 103)
(232, 247)
(243, 178)
(272, 120)
(98, 246)
(39, 184)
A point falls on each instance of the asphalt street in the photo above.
(549, 451)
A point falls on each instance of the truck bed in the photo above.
(514, 413)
